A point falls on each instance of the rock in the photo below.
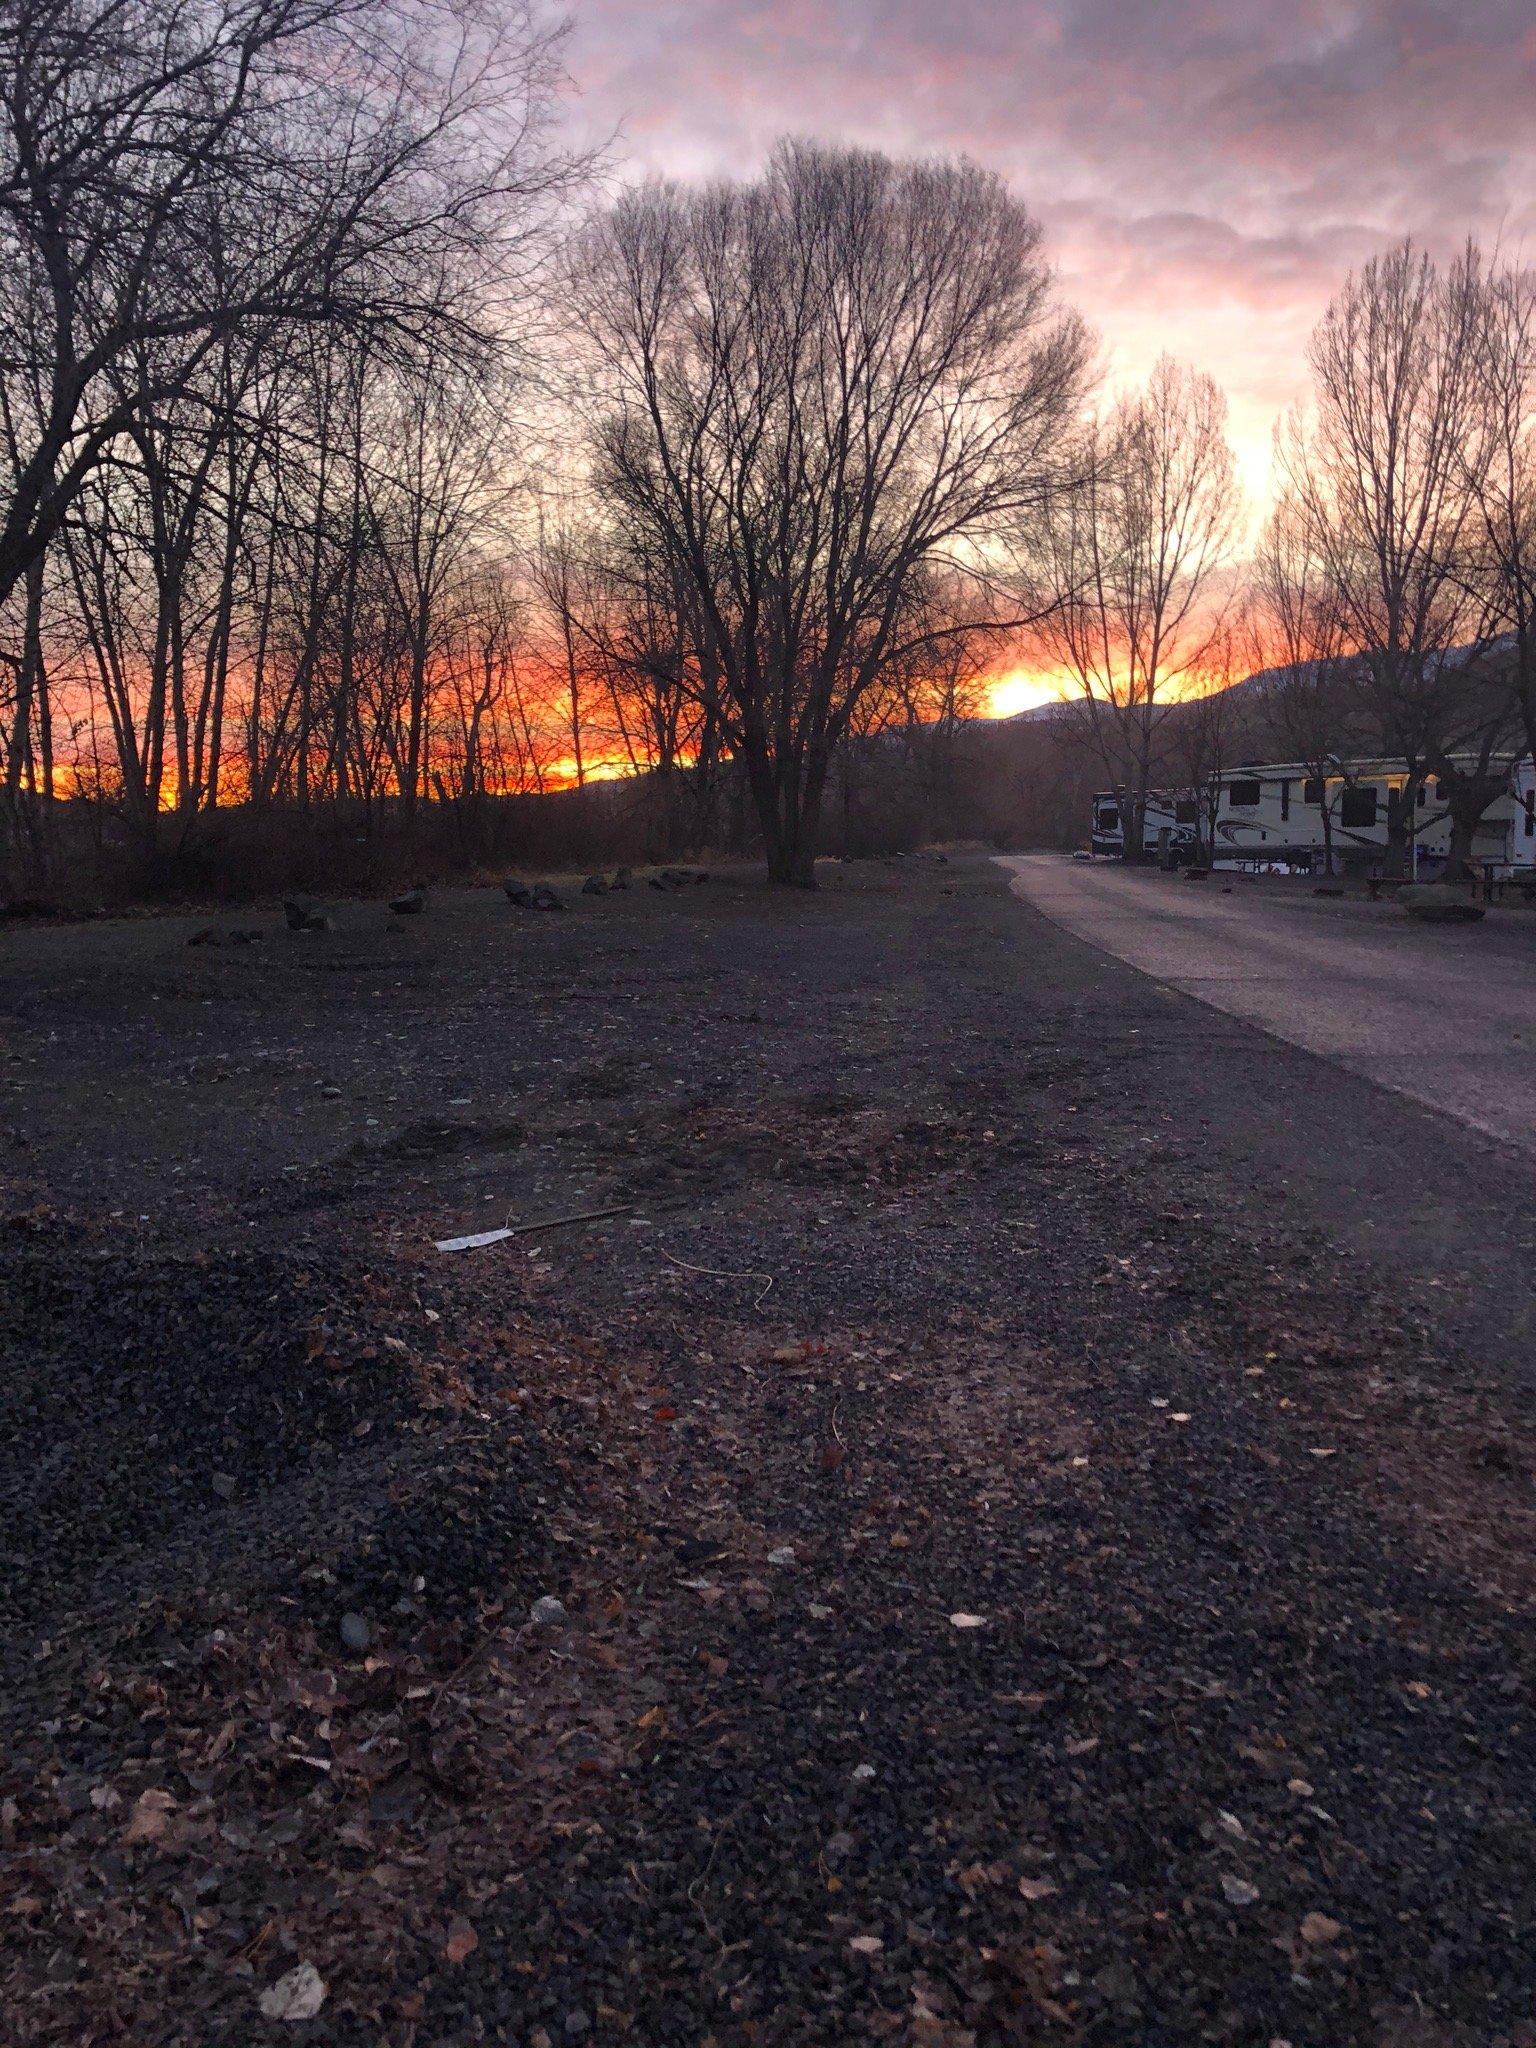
(223, 1484)
(594, 885)
(355, 1632)
(411, 904)
(862, 1774)
(576, 2024)
(247, 937)
(783, 1555)
(517, 892)
(331, 1092)
(1432, 903)
(547, 1612)
(1237, 1891)
(302, 917)
(298, 1995)
(206, 937)
(621, 879)
(545, 898)
(1117, 1984)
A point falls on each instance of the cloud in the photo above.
(1208, 170)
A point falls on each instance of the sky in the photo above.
(1207, 171)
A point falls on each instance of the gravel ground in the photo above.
(1037, 1483)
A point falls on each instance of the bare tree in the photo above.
(1138, 593)
(808, 390)
(321, 149)
(1382, 475)
(1501, 475)
(1294, 637)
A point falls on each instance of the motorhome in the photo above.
(1279, 815)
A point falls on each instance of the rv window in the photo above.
(1358, 808)
(1186, 811)
(1285, 801)
(1529, 801)
(1108, 818)
(1243, 795)
(1312, 790)
(1422, 796)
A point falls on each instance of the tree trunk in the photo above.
(1399, 815)
(1458, 859)
(788, 801)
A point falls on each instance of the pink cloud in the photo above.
(1208, 170)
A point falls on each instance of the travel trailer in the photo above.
(1279, 816)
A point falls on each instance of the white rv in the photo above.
(1279, 816)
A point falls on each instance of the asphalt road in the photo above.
(1445, 1015)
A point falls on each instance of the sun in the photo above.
(1021, 689)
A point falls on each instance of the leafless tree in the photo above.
(808, 390)
(1294, 640)
(1139, 562)
(1501, 476)
(1381, 473)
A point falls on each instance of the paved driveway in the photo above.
(1445, 1014)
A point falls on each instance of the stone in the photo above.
(297, 1996)
(547, 1612)
(411, 904)
(355, 1632)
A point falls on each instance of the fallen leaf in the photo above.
(1238, 1891)
(866, 1944)
(967, 1621)
(1317, 1928)
(151, 1816)
(832, 1455)
(1037, 1887)
(297, 1995)
(462, 1940)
